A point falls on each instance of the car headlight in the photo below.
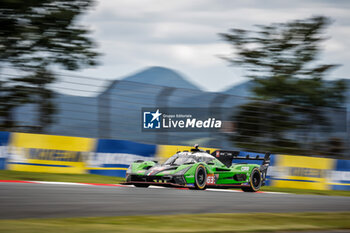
(183, 171)
(129, 169)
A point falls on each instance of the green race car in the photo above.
(197, 169)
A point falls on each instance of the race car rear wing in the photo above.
(229, 157)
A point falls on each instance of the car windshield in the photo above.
(180, 159)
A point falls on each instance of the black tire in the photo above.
(255, 181)
(141, 185)
(200, 178)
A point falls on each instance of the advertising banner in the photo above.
(302, 172)
(340, 176)
(4, 141)
(48, 153)
(113, 157)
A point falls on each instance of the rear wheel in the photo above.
(255, 181)
(200, 177)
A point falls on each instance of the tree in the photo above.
(260, 126)
(36, 37)
(281, 59)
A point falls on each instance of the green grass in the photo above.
(253, 222)
(58, 177)
(306, 191)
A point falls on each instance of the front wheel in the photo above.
(201, 177)
(255, 181)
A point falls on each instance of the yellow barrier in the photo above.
(49, 153)
(302, 172)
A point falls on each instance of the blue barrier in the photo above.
(4, 138)
(4, 141)
(3, 163)
(113, 157)
(341, 175)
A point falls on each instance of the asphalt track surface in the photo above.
(21, 200)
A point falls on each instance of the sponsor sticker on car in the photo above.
(211, 179)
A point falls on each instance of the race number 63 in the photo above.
(210, 179)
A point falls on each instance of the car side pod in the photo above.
(226, 157)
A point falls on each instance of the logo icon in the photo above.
(151, 120)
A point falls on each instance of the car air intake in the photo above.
(240, 177)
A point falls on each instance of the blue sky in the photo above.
(183, 35)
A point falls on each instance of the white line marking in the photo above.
(239, 191)
(157, 187)
(224, 190)
(60, 183)
(274, 192)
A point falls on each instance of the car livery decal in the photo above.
(210, 179)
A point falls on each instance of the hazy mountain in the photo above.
(116, 111)
(148, 88)
(242, 89)
(245, 89)
(75, 116)
(162, 77)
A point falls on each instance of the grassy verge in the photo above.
(306, 191)
(253, 222)
(80, 178)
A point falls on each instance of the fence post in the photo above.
(104, 111)
(162, 102)
(347, 150)
(216, 110)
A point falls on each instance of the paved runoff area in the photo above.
(26, 199)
